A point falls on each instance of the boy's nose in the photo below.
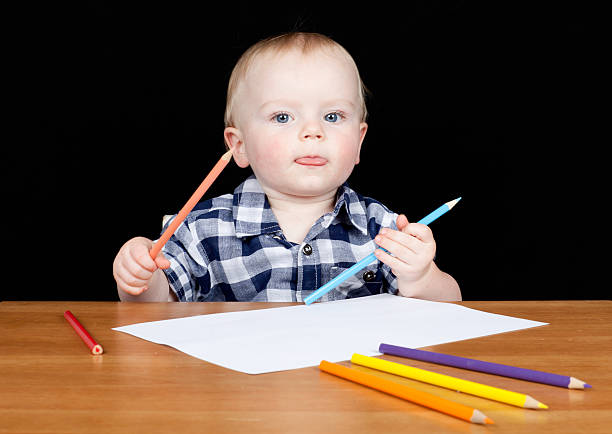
(311, 131)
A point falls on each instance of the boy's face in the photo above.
(298, 123)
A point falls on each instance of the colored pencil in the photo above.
(488, 367)
(193, 201)
(443, 209)
(416, 396)
(458, 384)
(94, 347)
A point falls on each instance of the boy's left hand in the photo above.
(413, 248)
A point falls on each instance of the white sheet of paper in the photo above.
(277, 339)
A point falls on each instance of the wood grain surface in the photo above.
(50, 383)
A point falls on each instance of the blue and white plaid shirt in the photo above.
(231, 248)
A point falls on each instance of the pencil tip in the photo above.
(540, 405)
(452, 203)
(587, 386)
(489, 421)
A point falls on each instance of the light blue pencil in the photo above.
(371, 257)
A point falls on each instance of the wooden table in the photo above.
(49, 383)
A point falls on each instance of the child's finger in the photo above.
(127, 284)
(421, 231)
(392, 241)
(134, 270)
(162, 262)
(408, 241)
(418, 230)
(137, 278)
(132, 290)
(396, 265)
(140, 254)
(401, 222)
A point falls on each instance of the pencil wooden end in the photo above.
(227, 156)
(533, 403)
(479, 417)
(575, 383)
(452, 203)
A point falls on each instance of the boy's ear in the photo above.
(233, 139)
(363, 129)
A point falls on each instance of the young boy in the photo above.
(296, 114)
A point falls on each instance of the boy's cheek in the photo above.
(347, 150)
(270, 153)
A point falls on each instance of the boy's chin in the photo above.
(313, 188)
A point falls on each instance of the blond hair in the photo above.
(307, 42)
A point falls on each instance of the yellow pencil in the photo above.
(477, 389)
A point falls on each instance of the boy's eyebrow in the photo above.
(281, 102)
(284, 102)
(340, 101)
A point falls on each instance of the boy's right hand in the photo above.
(133, 267)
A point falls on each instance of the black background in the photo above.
(119, 116)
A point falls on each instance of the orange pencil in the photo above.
(396, 389)
(95, 347)
(193, 200)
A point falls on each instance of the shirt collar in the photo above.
(253, 215)
(350, 208)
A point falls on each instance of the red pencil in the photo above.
(89, 341)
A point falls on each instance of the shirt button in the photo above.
(307, 249)
(368, 276)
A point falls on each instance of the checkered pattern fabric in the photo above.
(231, 248)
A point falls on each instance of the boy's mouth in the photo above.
(311, 160)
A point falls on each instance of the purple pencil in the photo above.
(488, 367)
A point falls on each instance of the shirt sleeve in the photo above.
(188, 271)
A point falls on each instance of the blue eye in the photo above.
(332, 117)
(281, 118)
